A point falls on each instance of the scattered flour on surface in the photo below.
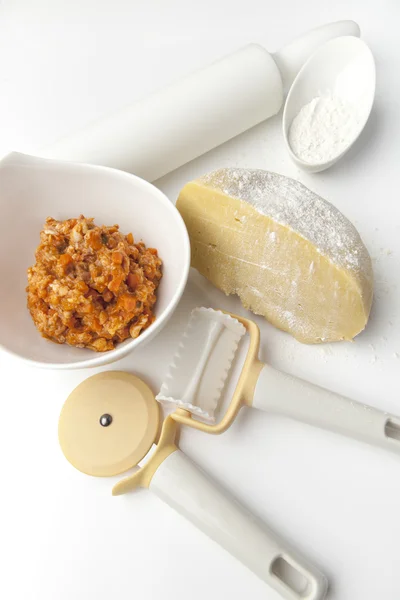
(290, 203)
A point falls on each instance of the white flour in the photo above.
(323, 129)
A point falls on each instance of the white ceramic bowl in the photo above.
(32, 189)
(343, 67)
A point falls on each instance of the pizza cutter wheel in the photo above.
(107, 426)
(108, 423)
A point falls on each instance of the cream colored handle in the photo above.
(284, 394)
(187, 489)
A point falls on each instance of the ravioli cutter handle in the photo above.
(185, 488)
(286, 395)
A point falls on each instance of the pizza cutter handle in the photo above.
(184, 487)
(286, 395)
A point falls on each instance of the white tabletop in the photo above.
(63, 536)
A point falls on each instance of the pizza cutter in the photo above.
(109, 423)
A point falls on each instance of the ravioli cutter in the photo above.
(109, 423)
(200, 367)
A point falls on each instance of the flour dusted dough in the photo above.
(288, 254)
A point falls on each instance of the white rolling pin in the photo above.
(198, 113)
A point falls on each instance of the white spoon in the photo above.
(343, 70)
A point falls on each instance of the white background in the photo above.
(62, 535)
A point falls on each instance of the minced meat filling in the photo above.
(91, 286)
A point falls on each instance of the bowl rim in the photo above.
(105, 358)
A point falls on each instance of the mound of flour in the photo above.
(323, 129)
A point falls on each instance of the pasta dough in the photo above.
(288, 254)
